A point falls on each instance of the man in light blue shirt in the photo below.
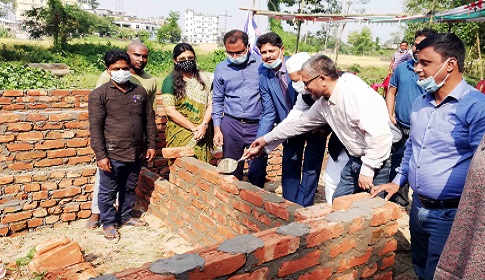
(236, 104)
(447, 124)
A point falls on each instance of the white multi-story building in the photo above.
(25, 5)
(200, 28)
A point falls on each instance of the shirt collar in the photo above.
(410, 64)
(457, 93)
(333, 97)
(130, 87)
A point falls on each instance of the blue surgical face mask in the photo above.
(275, 63)
(429, 84)
(239, 59)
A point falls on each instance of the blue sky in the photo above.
(157, 8)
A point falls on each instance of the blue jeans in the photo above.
(122, 179)
(429, 230)
(299, 185)
(349, 177)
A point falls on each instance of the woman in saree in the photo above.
(187, 100)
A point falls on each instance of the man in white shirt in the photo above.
(358, 116)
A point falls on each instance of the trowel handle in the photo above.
(243, 158)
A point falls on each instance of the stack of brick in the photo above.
(352, 240)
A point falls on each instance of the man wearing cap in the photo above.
(280, 85)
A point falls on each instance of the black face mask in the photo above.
(187, 65)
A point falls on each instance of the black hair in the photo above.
(178, 76)
(321, 64)
(235, 35)
(425, 32)
(269, 38)
(114, 56)
(448, 45)
(404, 42)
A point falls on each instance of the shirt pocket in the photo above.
(454, 128)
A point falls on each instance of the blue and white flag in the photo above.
(251, 29)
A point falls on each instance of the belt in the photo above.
(438, 204)
(242, 120)
(404, 130)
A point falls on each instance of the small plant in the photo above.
(25, 260)
(39, 275)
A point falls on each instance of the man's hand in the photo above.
(252, 153)
(218, 138)
(393, 119)
(390, 188)
(151, 153)
(365, 182)
(255, 148)
(104, 164)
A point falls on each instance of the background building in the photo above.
(200, 28)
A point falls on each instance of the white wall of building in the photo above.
(200, 28)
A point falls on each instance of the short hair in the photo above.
(425, 32)
(269, 38)
(114, 56)
(235, 35)
(321, 64)
(448, 45)
(404, 42)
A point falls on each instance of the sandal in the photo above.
(93, 224)
(134, 222)
(110, 232)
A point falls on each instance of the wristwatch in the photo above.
(206, 125)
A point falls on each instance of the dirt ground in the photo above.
(140, 245)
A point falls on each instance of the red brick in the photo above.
(6, 179)
(6, 138)
(13, 107)
(40, 195)
(177, 152)
(80, 181)
(83, 214)
(260, 274)
(19, 147)
(60, 92)
(369, 271)
(9, 117)
(32, 187)
(48, 203)
(316, 211)
(51, 219)
(80, 133)
(11, 189)
(60, 135)
(19, 127)
(30, 205)
(49, 144)
(75, 143)
(71, 208)
(25, 99)
(252, 197)
(36, 222)
(348, 276)
(342, 248)
(23, 178)
(390, 246)
(5, 100)
(357, 224)
(40, 177)
(227, 184)
(66, 217)
(30, 155)
(88, 172)
(241, 206)
(40, 213)
(278, 209)
(321, 231)
(222, 196)
(276, 246)
(76, 124)
(225, 231)
(14, 217)
(78, 160)
(4, 230)
(37, 106)
(18, 226)
(84, 151)
(305, 262)
(387, 261)
(384, 276)
(48, 162)
(12, 93)
(36, 117)
(320, 274)
(218, 264)
(86, 205)
(66, 192)
(354, 261)
(80, 92)
(83, 116)
(20, 166)
(62, 117)
(54, 210)
(345, 202)
(49, 186)
(48, 126)
(30, 136)
(69, 152)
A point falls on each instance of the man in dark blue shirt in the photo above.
(236, 104)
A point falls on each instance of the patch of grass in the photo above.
(25, 260)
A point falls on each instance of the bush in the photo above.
(17, 76)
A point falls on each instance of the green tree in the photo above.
(170, 31)
(361, 42)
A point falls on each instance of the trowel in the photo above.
(229, 165)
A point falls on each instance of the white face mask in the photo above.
(299, 87)
(120, 76)
(429, 84)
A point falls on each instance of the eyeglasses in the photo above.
(182, 59)
(309, 81)
(238, 53)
